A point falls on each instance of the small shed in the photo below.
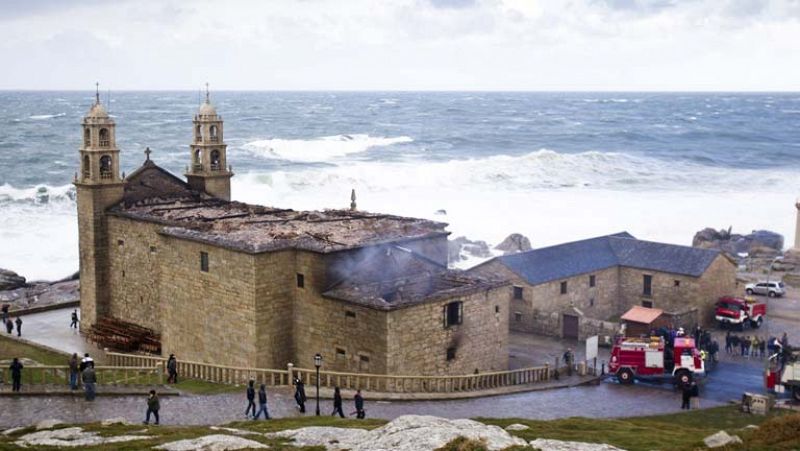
(641, 320)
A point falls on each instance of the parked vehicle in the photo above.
(651, 359)
(740, 312)
(783, 374)
(771, 289)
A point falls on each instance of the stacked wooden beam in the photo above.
(120, 335)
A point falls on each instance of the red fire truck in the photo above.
(650, 359)
(740, 312)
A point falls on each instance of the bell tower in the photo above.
(209, 171)
(98, 186)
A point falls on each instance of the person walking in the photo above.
(73, 371)
(153, 406)
(262, 403)
(89, 379)
(762, 347)
(5, 313)
(300, 394)
(728, 343)
(86, 362)
(16, 374)
(9, 326)
(568, 359)
(19, 326)
(74, 323)
(359, 401)
(686, 394)
(743, 345)
(337, 402)
(754, 345)
(172, 369)
(251, 396)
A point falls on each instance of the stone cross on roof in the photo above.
(147, 153)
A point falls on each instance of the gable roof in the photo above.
(622, 249)
(151, 180)
(644, 315)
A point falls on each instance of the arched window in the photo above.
(198, 133)
(197, 165)
(86, 166)
(105, 167)
(213, 133)
(104, 141)
(215, 160)
(87, 137)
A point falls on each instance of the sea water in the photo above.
(553, 166)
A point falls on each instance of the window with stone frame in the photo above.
(204, 261)
(451, 353)
(648, 304)
(677, 282)
(341, 354)
(647, 285)
(453, 313)
(592, 281)
(564, 287)
(518, 292)
(518, 316)
(301, 281)
(363, 363)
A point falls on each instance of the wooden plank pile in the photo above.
(123, 336)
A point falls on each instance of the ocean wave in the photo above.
(319, 149)
(41, 117)
(40, 194)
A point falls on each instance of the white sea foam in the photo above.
(40, 117)
(549, 197)
(320, 149)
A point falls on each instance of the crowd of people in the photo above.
(301, 399)
(753, 346)
(5, 318)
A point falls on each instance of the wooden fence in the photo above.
(372, 382)
(106, 375)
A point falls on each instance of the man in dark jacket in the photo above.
(89, 379)
(262, 403)
(152, 407)
(337, 403)
(73, 371)
(300, 394)
(251, 403)
(19, 326)
(9, 326)
(16, 374)
(686, 394)
(172, 369)
(74, 323)
(360, 413)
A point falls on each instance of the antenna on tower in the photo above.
(208, 100)
(97, 92)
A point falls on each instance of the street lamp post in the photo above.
(318, 363)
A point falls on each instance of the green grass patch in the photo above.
(10, 348)
(199, 387)
(679, 431)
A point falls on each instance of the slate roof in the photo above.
(622, 249)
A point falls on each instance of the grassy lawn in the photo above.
(10, 348)
(198, 387)
(683, 431)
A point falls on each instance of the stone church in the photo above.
(235, 284)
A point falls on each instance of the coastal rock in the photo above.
(558, 445)
(462, 248)
(113, 421)
(405, 433)
(13, 430)
(721, 439)
(9, 280)
(72, 437)
(516, 242)
(215, 442)
(759, 243)
(233, 430)
(39, 294)
(48, 424)
(517, 427)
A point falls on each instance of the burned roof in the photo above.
(594, 254)
(415, 289)
(255, 229)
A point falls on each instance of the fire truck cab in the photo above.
(651, 359)
(740, 312)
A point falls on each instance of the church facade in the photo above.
(245, 285)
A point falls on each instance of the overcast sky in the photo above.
(401, 44)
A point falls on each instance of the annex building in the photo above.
(581, 288)
(245, 285)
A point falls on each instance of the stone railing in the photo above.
(371, 382)
(106, 375)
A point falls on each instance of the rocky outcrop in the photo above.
(721, 439)
(517, 427)
(462, 248)
(39, 294)
(558, 445)
(9, 280)
(216, 442)
(516, 242)
(405, 433)
(71, 437)
(759, 243)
